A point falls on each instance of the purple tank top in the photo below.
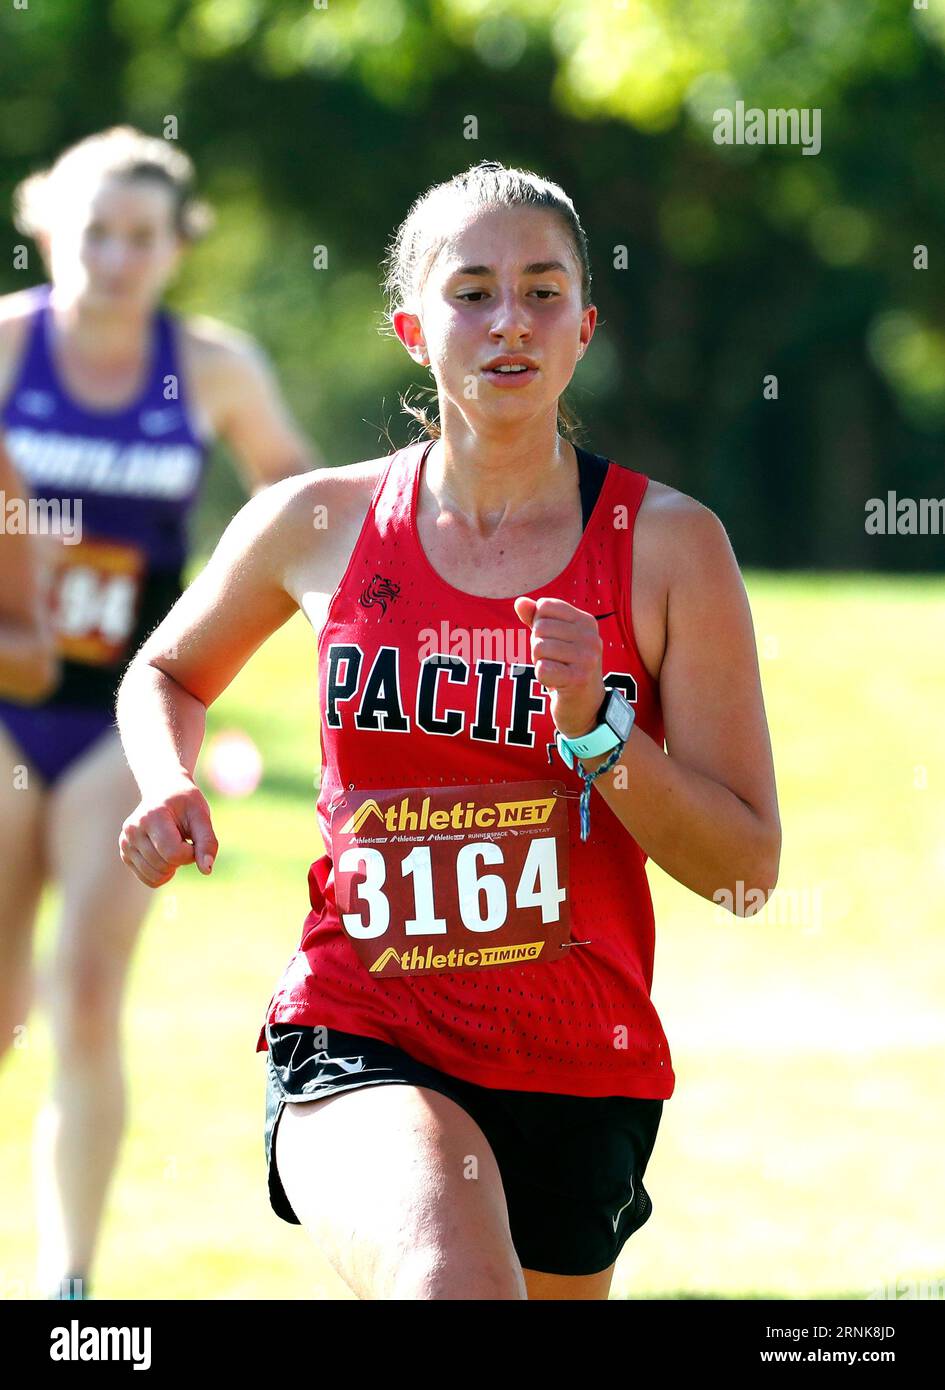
(137, 472)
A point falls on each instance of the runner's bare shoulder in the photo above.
(285, 541)
(324, 516)
(15, 310)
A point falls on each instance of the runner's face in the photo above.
(506, 282)
(121, 247)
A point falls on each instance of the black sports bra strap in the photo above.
(592, 470)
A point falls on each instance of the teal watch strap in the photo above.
(591, 745)
(599, 740)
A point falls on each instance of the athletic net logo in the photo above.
(380, 590)
(462, 815)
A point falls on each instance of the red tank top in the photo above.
(584, 1025)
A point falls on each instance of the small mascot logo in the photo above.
(380, 590)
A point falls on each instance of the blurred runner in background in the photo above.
(110, 405)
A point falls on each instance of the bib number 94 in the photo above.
(94, 598)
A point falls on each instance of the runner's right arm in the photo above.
(236, 602)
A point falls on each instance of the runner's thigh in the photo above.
(87, 808)
(399, 1187)
(103, 904)
(22, 807)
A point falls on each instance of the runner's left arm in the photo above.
(255, 422)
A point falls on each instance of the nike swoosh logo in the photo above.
(624, 1207)
(39, 403)
(160, 421)
(357, 1063)
(601, 616)
(326, 1074)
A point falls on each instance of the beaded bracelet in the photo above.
(589, 779)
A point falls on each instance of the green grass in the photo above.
(799, 1156)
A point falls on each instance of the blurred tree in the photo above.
(317, 125)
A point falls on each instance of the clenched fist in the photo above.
(166, 831)
(567, 653)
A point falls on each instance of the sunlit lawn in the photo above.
(800, 1154)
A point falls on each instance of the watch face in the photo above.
(620, 715)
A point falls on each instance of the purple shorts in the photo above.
(52, 739)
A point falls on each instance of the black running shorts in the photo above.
(572, 1166)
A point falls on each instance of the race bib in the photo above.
(94, 593)
(430, 881)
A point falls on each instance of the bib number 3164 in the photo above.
(454, 878)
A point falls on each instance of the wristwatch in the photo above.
(614, 722)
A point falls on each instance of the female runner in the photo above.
(28, 668)
(474, 977)
(109, 404)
